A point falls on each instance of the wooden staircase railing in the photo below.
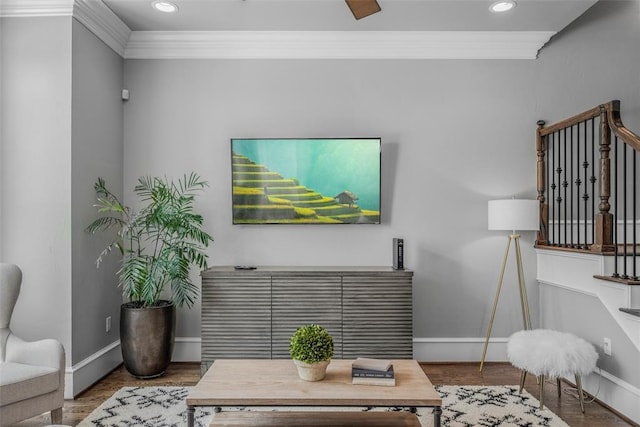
(587, 184)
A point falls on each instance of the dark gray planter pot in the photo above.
(147, 336)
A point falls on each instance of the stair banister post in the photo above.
(544, 207)
(604, 219)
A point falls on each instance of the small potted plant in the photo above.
(311, 348)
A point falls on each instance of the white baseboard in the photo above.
(187, 349)
(82, 375)
(615, 392)
(459, 349)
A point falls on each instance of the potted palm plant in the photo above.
(311, 348)
(158, 243)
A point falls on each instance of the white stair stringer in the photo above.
(575, 271)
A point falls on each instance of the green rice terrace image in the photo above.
(265, 196)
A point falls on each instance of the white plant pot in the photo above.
(312, 371)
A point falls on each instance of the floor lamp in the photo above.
(512, 214)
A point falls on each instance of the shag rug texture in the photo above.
(462, 406)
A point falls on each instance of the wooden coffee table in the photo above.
(264, 382)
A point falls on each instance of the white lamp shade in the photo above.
(513, 214)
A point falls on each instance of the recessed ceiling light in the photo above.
(165, 6)
(502, 6)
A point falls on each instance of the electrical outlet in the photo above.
(606, 346)
(108, 324)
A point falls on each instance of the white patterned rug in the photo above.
(462, 406)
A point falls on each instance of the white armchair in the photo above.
(31, 373)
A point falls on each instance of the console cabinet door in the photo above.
(236, 317)
(298, 301)
(377, 317)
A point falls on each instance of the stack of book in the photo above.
(372, 372)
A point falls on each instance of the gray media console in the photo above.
(251, 314)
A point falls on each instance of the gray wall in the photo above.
(591, 321)
(595, 60)
(456, 133)
(36, 172)
(592, 61)
(62, 127)
(96, 151)
(454, 136)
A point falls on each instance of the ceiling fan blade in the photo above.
(363, 8)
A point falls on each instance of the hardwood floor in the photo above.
(187, 374)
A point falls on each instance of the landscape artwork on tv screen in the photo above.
(306, 181)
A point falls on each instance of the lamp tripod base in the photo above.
(526, 316)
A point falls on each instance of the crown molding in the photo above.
(93, 14)
(102, 22)
(336, 44)
(25, 8)
(108, 27)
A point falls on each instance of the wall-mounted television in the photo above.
(306, 180)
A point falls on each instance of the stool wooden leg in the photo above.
(56, 416)
(541, 390)
(580, 396)
(558, 384)
(523, 376)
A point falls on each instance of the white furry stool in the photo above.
(552, 354)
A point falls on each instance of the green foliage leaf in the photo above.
(160, 242)
(311, 344)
